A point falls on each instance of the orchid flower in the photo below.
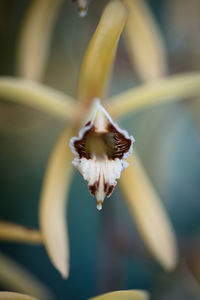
(113, 144)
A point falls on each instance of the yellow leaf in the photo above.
(145, 44)
(15, 296)
(38, 96)
(99, 57)
(123, 295)
(34, 39)
(149, 214)
(15, 277)
(16, 233)
(173, 88)
(53, 203)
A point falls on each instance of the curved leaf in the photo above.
(99, 56)
(17, 233)
(53, 203)
(34, 39)
(173, 88)
(15, 296)
(123, 295)
(144, 40)
(149, 214)
(15, 277)
(38, 96)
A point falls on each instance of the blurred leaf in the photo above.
(149, 214)
(15, 277)
(15, 296)
(123, 295)
(34, 39)
(54, 195)
(39, 96)
(173, 88)
(16, 233)
(99, 56)
(144, 40)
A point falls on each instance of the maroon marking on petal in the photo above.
(88, 123)
(108, 189)
(121, 143)
(80, 145)
(113, 143)
(94, 188)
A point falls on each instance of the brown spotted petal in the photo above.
(101, 149)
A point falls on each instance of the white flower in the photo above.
(101, 149)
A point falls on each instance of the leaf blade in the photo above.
(38, 96)
(15, 296)
(125, 295)
(145, 44)
(149, 214)
(173, 88)
(99, 56)
(34, 39)
(16, 233)
(53, 201)
(15, 277)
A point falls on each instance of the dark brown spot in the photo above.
(88, 123)
(94, 188)
(108, 189)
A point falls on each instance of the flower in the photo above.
(140, 195)
(101, 149)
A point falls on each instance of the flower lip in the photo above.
(100, 126)
(101, 149)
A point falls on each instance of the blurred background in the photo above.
(107, 252)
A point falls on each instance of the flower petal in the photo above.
(123, 295)
(173, 88)
(144, 40)
(53, 201)
(149, 214)
(38, 96)
(34, 39)
(16, 233)
(15, 296)
(101, 51)
(15, 277)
